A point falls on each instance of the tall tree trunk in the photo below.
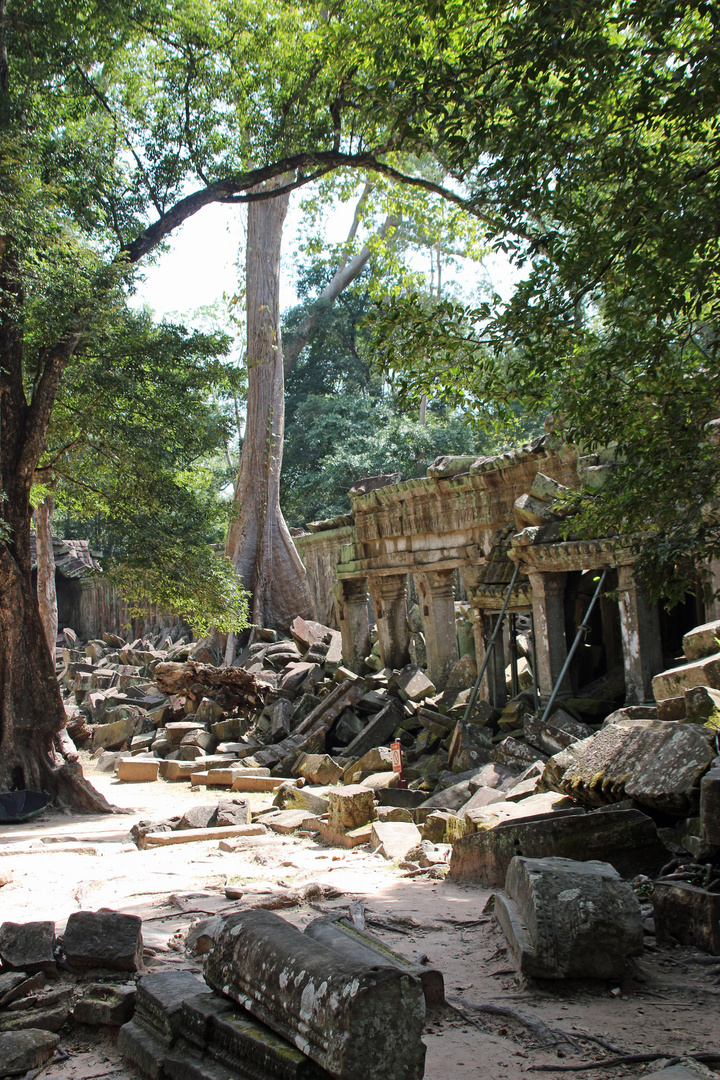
(46, 594)
(31, 707)
(259, 542)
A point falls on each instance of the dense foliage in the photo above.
(587, 137)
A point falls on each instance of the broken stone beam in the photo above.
(627, 839)
(568, 919)
(187, 836)
(220, 1040)
(352, 1019)
(377, 732)
(338, 934)
(340, 698)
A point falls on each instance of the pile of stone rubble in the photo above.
(289, 718)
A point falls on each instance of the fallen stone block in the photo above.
(442, 827)
(28, 947)
(484, 796)
(675, 681)
(394, 838)
(627, 839)
(46, 1013)
(157, 1022)
(378, 731)
(221, 1041)
(687, 1069)
(702, 641)
(178, 729)
(115, 735)
(567, 919)
(350, 807)
(352, 1019)
(285, 821)
(414, 685)
(189, 836)
(672, 708)
(233, 811)
(291, 797)
(688, 915)
(561, 730)
(16, 984)
(137, 770)
(103, 1005)
(336, 836)
(701, 702)
(379, 759)
(470, 747)
(632, 712)
(198, 817)
(317, 769)
(24, 1050)
(243, 782)
(358, 945)
(658, 764)
(514, 753)
(103, 939)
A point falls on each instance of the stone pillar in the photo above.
(436, 593)
(389, 597)
(548, 594)
(480, 650)
(352, 605)
(496, 667)
(640, 628)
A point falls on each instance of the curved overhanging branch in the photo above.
(236, 189)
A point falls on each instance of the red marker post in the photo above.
(397, 763)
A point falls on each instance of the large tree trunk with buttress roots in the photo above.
(259, 542)
(31, 707)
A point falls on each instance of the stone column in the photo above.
(352, 604)
(436, 592)
(388, 593)
(548, 594)
(640, 628)
(480, 650)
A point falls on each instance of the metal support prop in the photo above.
(491, 644)
(582, 631)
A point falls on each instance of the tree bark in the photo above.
(31, 707)
(46, 593)
(259, 542)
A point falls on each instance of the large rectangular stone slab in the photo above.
(394, 839)
(137, 770)
(188, 836)
(354, 1020)
(658, 764)
(675, 681)
(627, 839)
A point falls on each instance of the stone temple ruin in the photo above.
(466, 525)
(582, 779)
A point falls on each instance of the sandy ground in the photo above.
(64, 863)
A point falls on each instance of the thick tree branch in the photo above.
(344, 276)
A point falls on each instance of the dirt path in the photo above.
(66, 863)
